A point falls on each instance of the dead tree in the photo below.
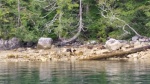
(116, 53)
(106, 12)
(79, 28)
(57, 16)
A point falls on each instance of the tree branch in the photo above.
(50, 10)
(50, 23)
(106, 9)
(79, 28)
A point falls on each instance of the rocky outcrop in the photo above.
(113, 49)
(68, 53)
(140, 39)
(44, 43)
(136, 42)
(9, 44)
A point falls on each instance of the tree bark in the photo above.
(79, 28)
(19, 21)
(115, 54)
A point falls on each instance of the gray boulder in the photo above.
(9, 44)
(144, 39)
(113, 44)
(14, 43)
(141, 39)
(44, 43)
(135, 38)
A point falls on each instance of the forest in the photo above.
(85, 20)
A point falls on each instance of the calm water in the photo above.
(83, 72)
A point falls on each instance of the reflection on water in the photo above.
(83, 72)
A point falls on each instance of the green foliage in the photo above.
(37, 18)
(134, 13)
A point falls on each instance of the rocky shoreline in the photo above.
(63, 54)
(45, 51)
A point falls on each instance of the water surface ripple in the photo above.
(82, 72)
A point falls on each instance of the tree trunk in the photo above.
(79, 28)
(19, 21)
(115, 54)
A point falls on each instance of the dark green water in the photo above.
(83, 72)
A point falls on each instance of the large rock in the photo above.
(144, 39)
(9, 44)
(113, 44)
(141, 39)
(14, 43)
(135, 38)
(44, 43)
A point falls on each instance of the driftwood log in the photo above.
(115, 54)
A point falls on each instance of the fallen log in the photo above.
(116, 53)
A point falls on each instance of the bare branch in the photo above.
(51, 5)
(129, 26)
(111, 16)
(125, 30)
(50, 10)
(50, 23)
(40, 0)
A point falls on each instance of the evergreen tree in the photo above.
(31, 19)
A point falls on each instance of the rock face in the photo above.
(9, 44)
(44, 43)
(136, 42)
(113, 44)
(141, 39)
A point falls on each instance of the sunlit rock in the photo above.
(135, 38)
(141, 39)
(44, 43)
(137, 44)
(144, 39)
(113, 44)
